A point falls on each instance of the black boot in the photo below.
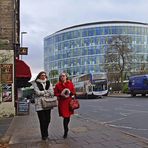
(65, 134)
(44, 138)
(65, 124)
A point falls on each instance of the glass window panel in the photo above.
(98, 31)
(86, 41)
(102, 30)
(84, 32)
(91, 32)
(106, 30)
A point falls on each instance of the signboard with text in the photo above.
(23, 51)
(6, 92)
(6, 73)
(23, 108)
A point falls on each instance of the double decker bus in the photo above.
(91, 85)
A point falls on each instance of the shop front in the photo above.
(23, 75)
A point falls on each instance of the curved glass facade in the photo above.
(81, 49)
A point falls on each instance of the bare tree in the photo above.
(52, 74)
(118, 57)
(143, 66)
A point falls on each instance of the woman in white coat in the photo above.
(42, 87)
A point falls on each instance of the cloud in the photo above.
(42, 18)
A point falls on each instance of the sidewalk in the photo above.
(4, 124)
(24, 132)
(118, 95)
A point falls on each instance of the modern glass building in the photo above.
(81, 49)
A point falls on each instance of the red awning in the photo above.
(22, 69)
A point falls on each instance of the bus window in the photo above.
(90, 88)
(104, 87)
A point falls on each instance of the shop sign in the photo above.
(6, 73)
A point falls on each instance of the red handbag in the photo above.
(74, 104)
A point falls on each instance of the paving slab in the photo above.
(24, 132)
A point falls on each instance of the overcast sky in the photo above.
(40, 18)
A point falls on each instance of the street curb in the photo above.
(142, 139)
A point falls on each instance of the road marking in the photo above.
(127, 127)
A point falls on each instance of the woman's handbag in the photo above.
(74, 104)
(49, 102)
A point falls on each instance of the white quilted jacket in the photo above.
(39, 94)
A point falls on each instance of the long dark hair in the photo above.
(40, 73)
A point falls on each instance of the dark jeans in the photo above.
(44, 119)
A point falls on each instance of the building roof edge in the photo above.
(102, 22)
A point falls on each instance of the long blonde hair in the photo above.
(63, 73)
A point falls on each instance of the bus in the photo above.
(138, 85)
(92, 85)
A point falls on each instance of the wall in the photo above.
(8, 36)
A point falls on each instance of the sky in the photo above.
(40, 18)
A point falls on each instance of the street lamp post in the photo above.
(22, 33)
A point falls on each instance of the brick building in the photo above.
(9, 45)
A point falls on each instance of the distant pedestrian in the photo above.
(42, 87)
(64, 90)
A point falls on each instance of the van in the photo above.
(138, 85)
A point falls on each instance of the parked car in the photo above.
(31, 98)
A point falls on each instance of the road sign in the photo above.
(23, 51)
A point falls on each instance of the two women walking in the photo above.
(64, 91)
